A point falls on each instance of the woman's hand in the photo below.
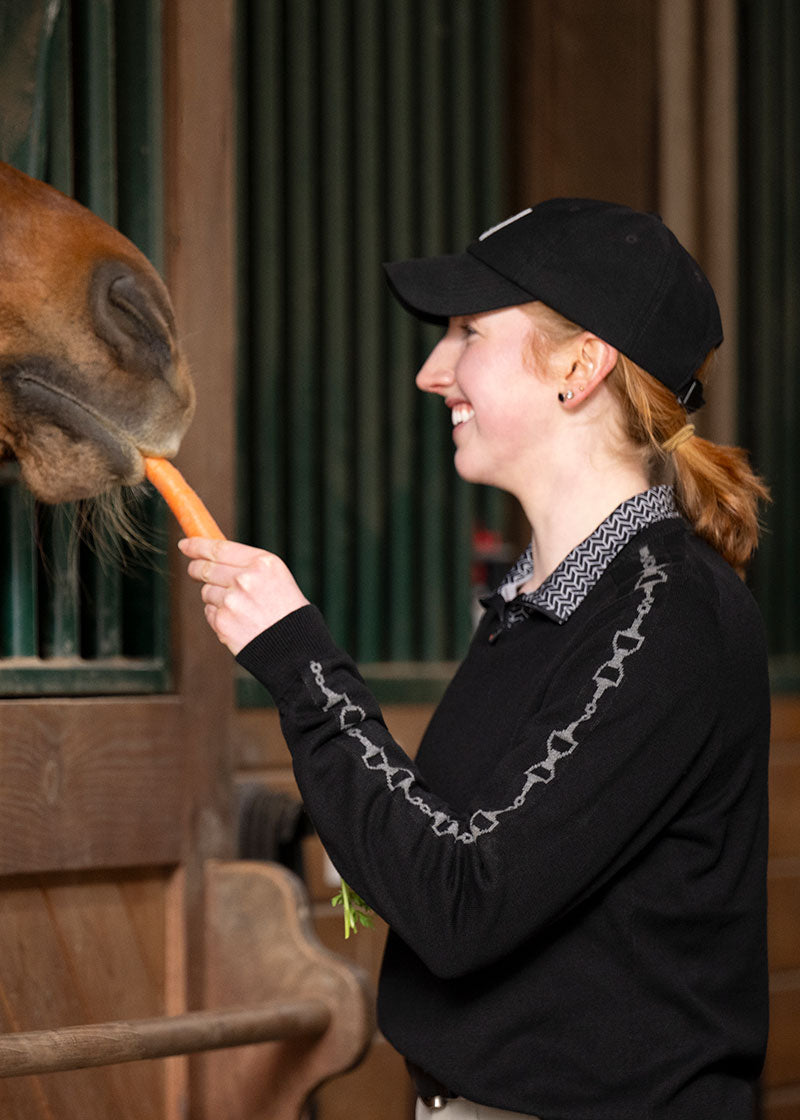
(245, 590)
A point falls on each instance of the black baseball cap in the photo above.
(617, 272)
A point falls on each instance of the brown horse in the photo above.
(91, 375)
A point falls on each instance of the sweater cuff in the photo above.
(275, 656)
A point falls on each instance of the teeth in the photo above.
(462, 413)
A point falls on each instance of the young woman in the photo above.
(573, 869)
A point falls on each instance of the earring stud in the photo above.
(566, 396)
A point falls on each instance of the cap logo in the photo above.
(500, 225)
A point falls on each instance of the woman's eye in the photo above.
(467, 329)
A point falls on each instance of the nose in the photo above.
(133, 316)
(436, 374)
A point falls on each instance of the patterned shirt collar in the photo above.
(565, 589)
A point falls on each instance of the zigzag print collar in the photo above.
(566, 588)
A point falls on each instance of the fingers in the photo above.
(225, 552)
(205, 571)
(244, 590)
(221, 561)
(213, 595)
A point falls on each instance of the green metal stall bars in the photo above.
(81, 106)
(368, 131)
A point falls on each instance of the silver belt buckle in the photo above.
(435, 1104)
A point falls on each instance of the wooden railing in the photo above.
(298, 1013)
(103, 1044)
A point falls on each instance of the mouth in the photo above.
(461, 413)
(66, 448)
(78, 421)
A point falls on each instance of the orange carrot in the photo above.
(192, 515)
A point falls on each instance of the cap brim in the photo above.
(437, 288)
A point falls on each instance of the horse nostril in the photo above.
(132, 315)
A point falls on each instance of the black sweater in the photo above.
(574, 868)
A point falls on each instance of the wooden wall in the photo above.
(782, 1071)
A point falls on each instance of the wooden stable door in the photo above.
(93, 799)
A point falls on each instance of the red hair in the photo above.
(715, 487)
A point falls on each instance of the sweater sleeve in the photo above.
(628, 728)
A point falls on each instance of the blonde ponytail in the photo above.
(715, 487)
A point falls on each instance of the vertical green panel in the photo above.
(101, 615)
(461, 117)
(767, 252)
(370, 416)
(435, 465)
(769, 282)
(60, 104)
(95, 135)
(489, 38)
(336, 156)
(25, 38)
(102, 585)
(263, 286)
(139, 125)
(489, 34)
(302, 201)
(59, 620)
(37, 136)
(464, 113)
(789, 392)
(18, 600)
(401, 352)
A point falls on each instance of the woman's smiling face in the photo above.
(502, 399)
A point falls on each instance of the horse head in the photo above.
(91, 374)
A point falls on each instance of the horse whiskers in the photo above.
(110, 527)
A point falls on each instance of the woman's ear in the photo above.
(592, 361)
